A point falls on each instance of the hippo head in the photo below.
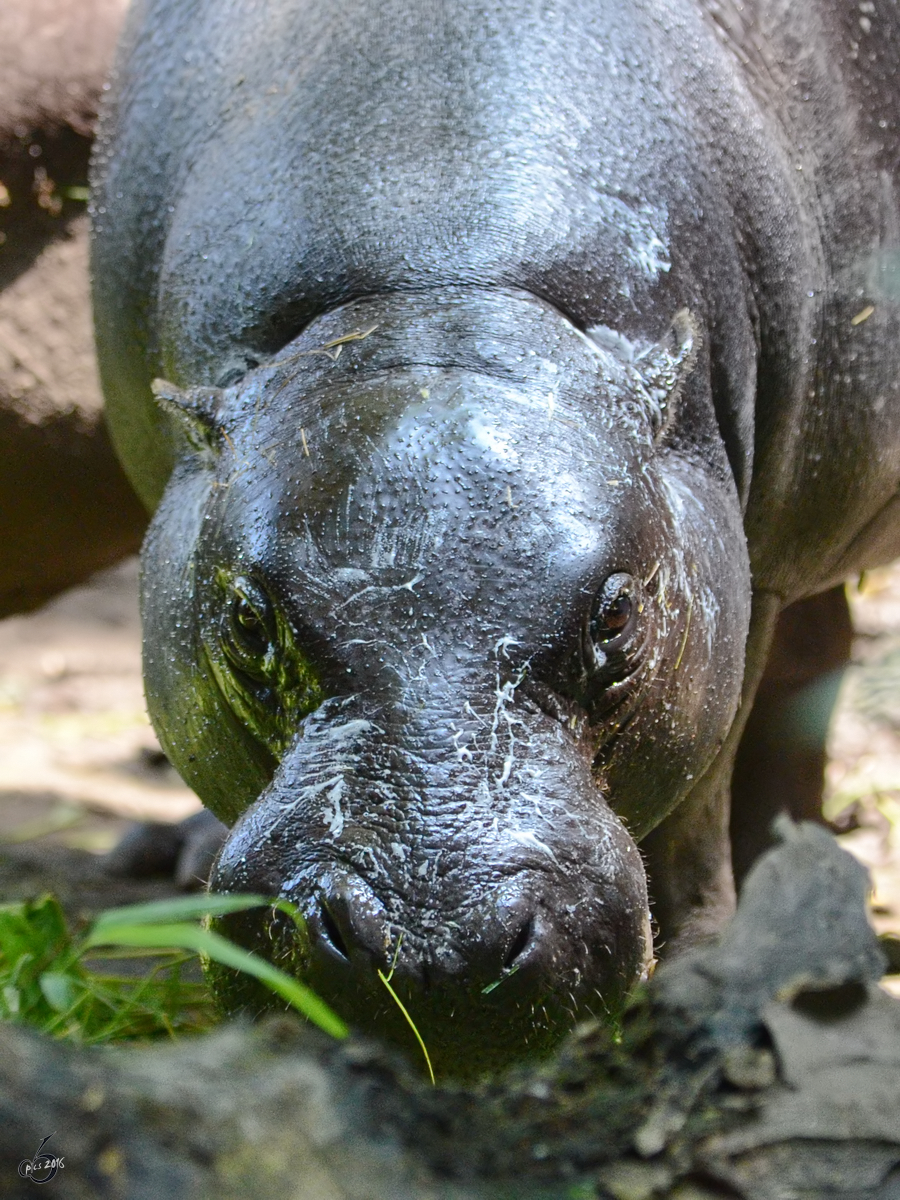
(443, 610)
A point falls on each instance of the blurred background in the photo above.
(78, 759)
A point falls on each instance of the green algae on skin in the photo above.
(268, 681)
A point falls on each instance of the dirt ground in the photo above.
(78, 758)
(79, 761)
(863, 780)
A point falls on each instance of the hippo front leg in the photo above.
(780, 765)
(184, 851)
(688, 855)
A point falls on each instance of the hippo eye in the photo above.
(614, 609)
(613, 618)
(257, 662)
(250, 624)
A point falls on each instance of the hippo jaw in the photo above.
(507, 902)
(473, 544)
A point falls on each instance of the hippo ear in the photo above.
(664, 368)
(196, 413)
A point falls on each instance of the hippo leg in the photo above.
(688, 855)
(185, 851)
(780, 762)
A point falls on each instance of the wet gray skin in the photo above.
(447, 600)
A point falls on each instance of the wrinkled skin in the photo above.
(494, 351)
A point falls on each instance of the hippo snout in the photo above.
(505, 984)
(523, 929)
(498, 916)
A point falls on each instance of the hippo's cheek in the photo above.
(497, 933)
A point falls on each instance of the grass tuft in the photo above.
(49, 980)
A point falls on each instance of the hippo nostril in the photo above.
(332, 933)
(519, 944)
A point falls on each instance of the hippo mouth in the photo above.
(495, 937)
(473, 1019)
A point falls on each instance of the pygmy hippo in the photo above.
(499, 373)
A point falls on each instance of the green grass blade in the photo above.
(385, 979)
(180, 908)
(204, 941)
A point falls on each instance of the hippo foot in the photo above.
(185, 851)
